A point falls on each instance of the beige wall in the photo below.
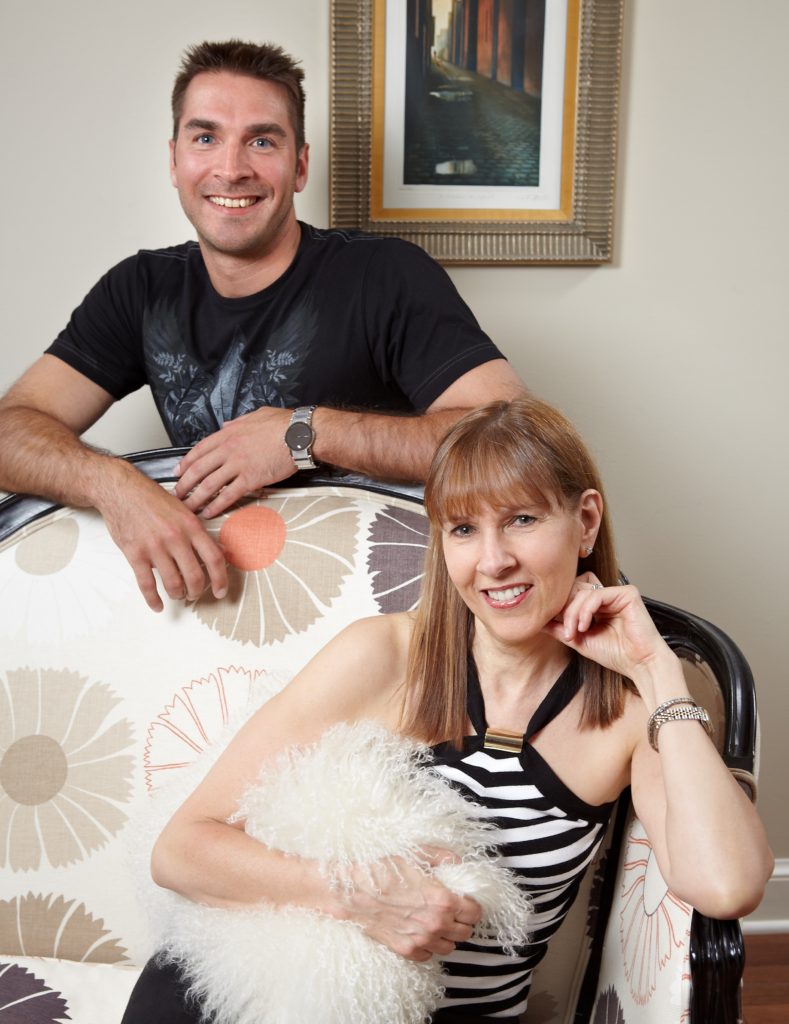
(672, 361)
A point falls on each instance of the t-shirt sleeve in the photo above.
(422, 334)
(102, 340)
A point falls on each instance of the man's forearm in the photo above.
(401, 447)
(42, 456)
(250, 452)
(387, 447)
(155, 531)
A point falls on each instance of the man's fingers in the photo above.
(172, 582)
(165, 543)
(202, 492)
(146, 581)
(192, 580)
(226, 498)
(182, 565)
(146, 566)
(181, 574)
(214, 561)
(195, 467)
(183, 577)
(185, 567)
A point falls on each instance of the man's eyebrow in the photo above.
(264, 128)
(267, 128)
(203, 125)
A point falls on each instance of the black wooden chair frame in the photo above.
(717, 954)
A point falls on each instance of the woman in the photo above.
(544, 689)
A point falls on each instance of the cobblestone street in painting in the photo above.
(468, 130)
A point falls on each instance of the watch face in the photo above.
(299, 436)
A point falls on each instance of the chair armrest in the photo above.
(717, 961)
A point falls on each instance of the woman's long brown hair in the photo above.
(501, 455)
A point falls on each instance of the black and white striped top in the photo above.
(547, 835)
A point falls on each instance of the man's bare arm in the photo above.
(41, 453)
(249, 453)
(41, 417)
(402, 447)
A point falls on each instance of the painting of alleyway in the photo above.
(473, 92)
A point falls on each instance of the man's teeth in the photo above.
(507, 595)
(225, 201)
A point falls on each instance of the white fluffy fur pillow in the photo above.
(359, 795)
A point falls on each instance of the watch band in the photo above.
(678, 709)
(300, 437)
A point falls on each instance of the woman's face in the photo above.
(514, 567)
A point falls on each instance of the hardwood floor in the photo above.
(765, 997)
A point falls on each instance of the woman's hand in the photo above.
(609, 625)
(403, 907)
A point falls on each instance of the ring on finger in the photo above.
(597, 586)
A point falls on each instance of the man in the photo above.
(267, 344)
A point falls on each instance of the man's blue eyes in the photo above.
(256, 143)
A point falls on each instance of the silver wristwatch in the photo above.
(300, 437)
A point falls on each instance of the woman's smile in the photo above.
(507, 597)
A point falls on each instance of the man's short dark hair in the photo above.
(266, 61)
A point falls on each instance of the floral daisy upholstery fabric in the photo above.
(102, 702)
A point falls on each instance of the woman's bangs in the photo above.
(488, 475)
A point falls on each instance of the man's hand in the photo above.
(246, 454)
(41, 453)
(249, 453)
(155, 531)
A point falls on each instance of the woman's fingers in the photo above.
(609, 625)
(409, 911)
(587, 597)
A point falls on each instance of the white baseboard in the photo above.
(772, 915)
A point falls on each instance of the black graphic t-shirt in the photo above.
(356, 321)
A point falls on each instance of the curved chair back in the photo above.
(100, 700)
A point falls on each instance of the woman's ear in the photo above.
(590, 512)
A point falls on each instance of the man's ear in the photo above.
(302, 168)
(173, 178)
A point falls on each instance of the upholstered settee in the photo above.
(101, 701)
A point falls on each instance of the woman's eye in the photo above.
(523, 519)
(461, 530)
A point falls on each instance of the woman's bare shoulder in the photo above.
(392, 632)
(358, 675)
(363, 668)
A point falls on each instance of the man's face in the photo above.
(235, 163)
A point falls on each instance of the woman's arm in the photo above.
(710, 844)
(708, 839)
(356, 676)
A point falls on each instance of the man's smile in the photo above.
(242, 201)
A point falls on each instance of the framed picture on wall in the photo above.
(483, 130)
